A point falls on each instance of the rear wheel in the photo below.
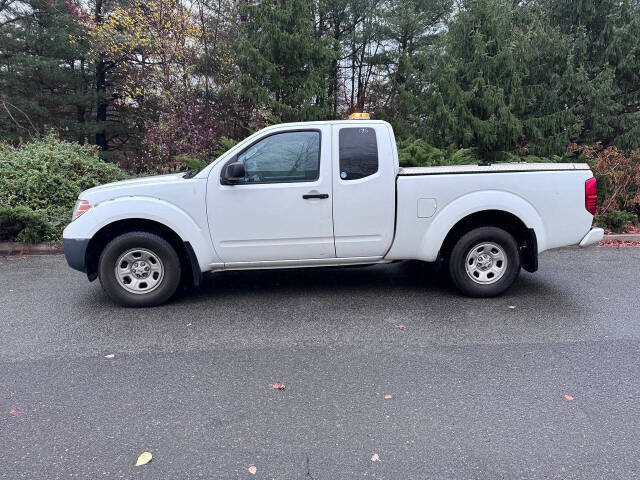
(139, 269)
(484, 262)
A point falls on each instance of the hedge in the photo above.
(20, 224)
(40, 182)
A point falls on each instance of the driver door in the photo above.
(282, 208)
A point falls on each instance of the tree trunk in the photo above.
(333, 80)
(101, 90)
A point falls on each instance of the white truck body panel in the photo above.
(550, 202)
(364, 209)
(271, 221)
(393, 214)
(167, 199)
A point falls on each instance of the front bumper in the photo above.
(594, 236)
(75, 250)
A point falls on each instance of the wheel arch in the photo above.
(190, 267)
(489, 208)
(525, 236)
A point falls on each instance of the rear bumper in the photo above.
(75, 250)
(594, 236)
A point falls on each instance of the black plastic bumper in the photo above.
(75, 250)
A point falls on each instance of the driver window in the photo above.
(283, 157)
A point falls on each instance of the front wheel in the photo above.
(139, 269)
(484, 262)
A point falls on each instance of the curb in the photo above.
(623, 237)
(16, 248)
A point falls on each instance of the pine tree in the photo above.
(605, 63)
(487, 91)
(281, 60)
(412, 27)
(45, 77)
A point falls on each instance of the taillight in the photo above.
(81, 207)
(590, 195)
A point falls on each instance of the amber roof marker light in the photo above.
(359, 116)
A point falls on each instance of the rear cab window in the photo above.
(358, 152)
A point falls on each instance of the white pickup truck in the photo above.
(327, 193)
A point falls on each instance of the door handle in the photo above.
(315, 195)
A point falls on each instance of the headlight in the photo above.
(81, 207)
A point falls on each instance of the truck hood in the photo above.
(160, 186)
(135, 183)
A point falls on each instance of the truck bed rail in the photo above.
(496, 168)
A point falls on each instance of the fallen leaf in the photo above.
(568, 398)
(618, 243)
(252, 470)
(387, 397)
(512, 307)
(400, 327)
(276, 386)
(144, 458)
(16, 413)
(375, 458)
(111, 355)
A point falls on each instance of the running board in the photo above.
(314, 262)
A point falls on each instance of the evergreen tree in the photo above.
(412, 27)
(334, 23)
(486, 91)
(282, 61)
(45, 77)
(605, 59)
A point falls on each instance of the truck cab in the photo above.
(305, 192)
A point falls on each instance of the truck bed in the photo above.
(546, 197)
(495, 168)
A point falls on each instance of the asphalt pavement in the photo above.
(468, 389)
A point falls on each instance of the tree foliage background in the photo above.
(148, 81)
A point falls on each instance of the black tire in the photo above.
(169, 266)
(462, 250)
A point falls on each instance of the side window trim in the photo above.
(258, 140)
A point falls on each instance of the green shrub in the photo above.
(616, 220)
(418, 153)
(193, 162)
(225, 144)
(46, 176)
(23, 225)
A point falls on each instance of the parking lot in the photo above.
(388, 373)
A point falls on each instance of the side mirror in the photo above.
(234, 173)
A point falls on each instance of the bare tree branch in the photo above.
(6, 106)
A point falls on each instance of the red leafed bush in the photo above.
(181, 129)
(618, 175)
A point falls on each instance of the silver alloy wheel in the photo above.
(139, 270)
(486, 263)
